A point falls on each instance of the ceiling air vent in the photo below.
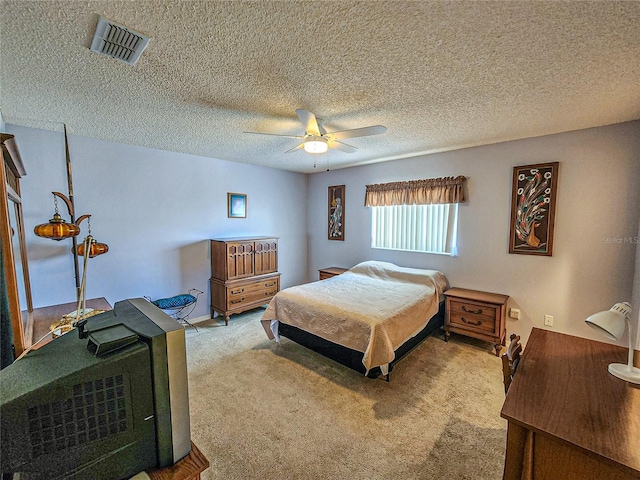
(118, 42)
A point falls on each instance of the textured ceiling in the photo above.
(440, 75)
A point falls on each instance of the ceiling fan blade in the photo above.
(277, 135)
(297, 147)
(343, 147)
(358, 132)
(309, 121)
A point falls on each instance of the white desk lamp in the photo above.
(612, 323)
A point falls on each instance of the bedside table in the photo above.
(476, 314)
(329, 272)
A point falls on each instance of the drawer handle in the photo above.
(237, 301)
(269, 284)
(476, 312)
(477, 324)
(237, 291)
(270, 294)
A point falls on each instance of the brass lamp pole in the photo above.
(71, 207)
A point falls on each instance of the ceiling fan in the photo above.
(317, 140)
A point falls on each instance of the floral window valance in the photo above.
(416, 192)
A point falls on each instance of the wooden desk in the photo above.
(189, 468)
(568, 417)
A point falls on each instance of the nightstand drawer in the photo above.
(474, 316)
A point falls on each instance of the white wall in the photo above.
(598, 198)
(155, 209)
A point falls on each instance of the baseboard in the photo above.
(203, 318)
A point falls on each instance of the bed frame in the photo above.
(353, 358)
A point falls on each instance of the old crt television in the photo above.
(103, 407)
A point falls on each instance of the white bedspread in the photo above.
(373, 308)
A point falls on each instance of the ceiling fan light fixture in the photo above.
(316, 145)
(317, 140)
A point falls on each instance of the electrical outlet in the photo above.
(514, 313)
(548, 320)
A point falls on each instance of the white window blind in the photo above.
(419, 228)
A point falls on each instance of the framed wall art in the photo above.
(533, 205)
(236, 205)
(336, 212)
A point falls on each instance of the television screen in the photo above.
(105, 406)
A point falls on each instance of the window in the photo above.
(418, 228)
(416, 215)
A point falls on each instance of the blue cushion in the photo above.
(174, 302)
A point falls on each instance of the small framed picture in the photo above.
(336, 212)
(237, 205)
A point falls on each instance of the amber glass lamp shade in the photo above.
(95, 249)
(57, 229)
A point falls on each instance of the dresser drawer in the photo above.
(251, 288)
(252, 297)
(251, 293)
(473, 316)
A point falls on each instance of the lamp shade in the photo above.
(57, 229)
(95, 249)
(316, 145)
(612, 324)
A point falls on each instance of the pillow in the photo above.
(375, 268)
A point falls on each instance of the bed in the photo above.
(367, 318)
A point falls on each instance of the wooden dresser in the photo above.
(476, 314)
(569, 418)
(244, 274)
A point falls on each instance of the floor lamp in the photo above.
(58, 229)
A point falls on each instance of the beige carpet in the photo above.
(267, 411)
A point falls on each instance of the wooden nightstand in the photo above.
(476, 314)
(330, 272)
